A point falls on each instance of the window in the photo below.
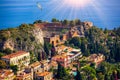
(57, 41)
(52, 42)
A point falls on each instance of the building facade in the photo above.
(44, 76)
(24, 76)
(6, 75)
(20, 58)
(67, 55)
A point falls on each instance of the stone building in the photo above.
(39, 67)
(6, 75)
(54, 39)
(96, 58)
(44, 76)
(20, 58)
(24, 76)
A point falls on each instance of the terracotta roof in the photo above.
(43, 61)
(15, 54)
(35, 64)
(5, 73)
(70, 49)
(53, 63)
(43, 73)
(63, 54)
(22, 75)
(60, 57)
(62, 47)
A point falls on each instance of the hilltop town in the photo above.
(57, 50)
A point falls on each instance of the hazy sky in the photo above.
(103, 13)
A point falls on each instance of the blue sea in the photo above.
(103, 13)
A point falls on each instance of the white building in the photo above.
(20, 58)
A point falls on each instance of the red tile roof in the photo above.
(15, 54)
(23, 75)
(35, 64)
(43, 73)
(5, 73)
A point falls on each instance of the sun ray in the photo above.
(77, 3)
(82, 9)
(100, 13)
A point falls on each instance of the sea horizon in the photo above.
(102, 14)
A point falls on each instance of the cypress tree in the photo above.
(118, 73)
(78, 76)
(61, 72)
(46, 48)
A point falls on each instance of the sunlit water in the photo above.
(103, 13)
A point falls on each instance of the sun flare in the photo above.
(77, 3)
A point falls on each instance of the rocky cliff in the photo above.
(29, 37)
(25, 37)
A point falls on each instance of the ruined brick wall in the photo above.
(55, 40)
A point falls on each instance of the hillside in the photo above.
(30, 37)
(25, 37)
(100, 49)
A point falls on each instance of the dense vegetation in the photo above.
(20, 38)
(97, 41)
(65, 22)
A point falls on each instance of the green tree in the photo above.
(65, 22)
(117, 51)
(1, 54)
(87, 53)
(39, 56)
(47, 48)
(103, 68)
(76, 41)
(118, 73)
(33, 58)
(44, 55)
(84, 49)
(100, 76)
(55, 20)
(92, 77)
(14, 68)
(89, 72)
(92, 65)
(61, 72)
(106, 30)
(72, 23)
(7, 51)
(2, 64)
(77, 21)
(78, 76)
(53, 51)
(107, 77)
(117, 31)
(114, 75)
(37, 21)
